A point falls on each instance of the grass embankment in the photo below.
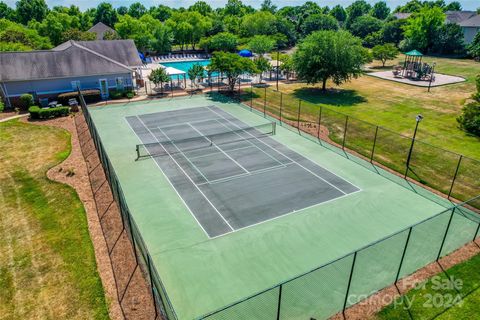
(47, 262)
(440, 298)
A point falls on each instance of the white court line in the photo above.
(184, 155)
(188, 177)
(234, 161)
(179, 124)
(278, 151)
(212, 153)
(254, 145)
(251, 173)
(171, 184)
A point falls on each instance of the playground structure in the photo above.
(414, 69)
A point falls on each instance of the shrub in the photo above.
(476, 95)
(116, 94)
(2, 106)
(27, 100)
(469, 120)
(91, 95)
(47, 113)
(130, 95)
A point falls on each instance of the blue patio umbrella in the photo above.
(245, 53)
(142, 57)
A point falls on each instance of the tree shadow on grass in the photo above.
(333, 97)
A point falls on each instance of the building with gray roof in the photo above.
(103, 65)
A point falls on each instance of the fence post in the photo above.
(345, 133)
(476, 232)
(445, 235)
(298, 115)
(149, 266)
(455, 176)
(319, 121)
(279, 302)
(131, 232)
(403, 254)
(281, 106)
(374, 144)
(349, 283)
(265, 102)
(251, 96)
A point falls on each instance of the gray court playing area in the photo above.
(231, 175)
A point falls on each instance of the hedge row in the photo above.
(47, 113)
(90, 96)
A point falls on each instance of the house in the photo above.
(469, 21)
(100, 29)
(470, 28)
(104, 65)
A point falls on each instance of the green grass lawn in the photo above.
(47, 262)
(370, 101)
(394, 105)
(440, 298)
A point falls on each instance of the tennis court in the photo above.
(229, 205)
(210, 157)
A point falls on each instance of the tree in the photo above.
(339, 13)
(234, 8)
(261, 44)
(287, 64)
(262, 65)
(162, 39)
(201, 7)
(474, 47)
(449, 39)
(260, 22)
(159, 76)
(317, 22)
(380, 10)
(223, 41)
(15, 34)
(392, 31)
(421, 29)
(267, 5)
(469, 120)
(329, 54)
(31, 9)
(196, 72)
(453, 6)
(385, 52)
(355, 10)
(55, 24)
(161, 12)
(6, 12)
(122, 10)
(137, 10)
(78, 35)
(105, 14)
(365, 25)
(232, 66)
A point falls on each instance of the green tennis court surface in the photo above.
(202, 274)
(230, 175)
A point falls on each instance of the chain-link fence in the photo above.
(341, 283)
(332, 287)
(142, 258)
(450, 173)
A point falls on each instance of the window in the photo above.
(75, 84)
(119, 83)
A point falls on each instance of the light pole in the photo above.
(418, 118)
(278, 57)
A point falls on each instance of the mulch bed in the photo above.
(126, 287)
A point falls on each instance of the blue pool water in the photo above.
(185, 65)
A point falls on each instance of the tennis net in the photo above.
(168, 147)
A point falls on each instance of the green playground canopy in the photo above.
(414, 53)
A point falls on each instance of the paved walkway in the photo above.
(14, 117)
(440, 79)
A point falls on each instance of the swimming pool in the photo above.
(185, 65)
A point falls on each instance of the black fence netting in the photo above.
(142, 257)
(347, 280)
(450, 173)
